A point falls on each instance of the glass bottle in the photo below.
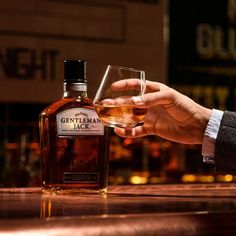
(74, 143)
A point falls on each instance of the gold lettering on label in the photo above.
(211, 97)
(196, 93)
(219, 38)
(231, 11)
(216, 42)
(221, 94)
(232, 42)
(204, 42)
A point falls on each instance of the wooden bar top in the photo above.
(188, 209)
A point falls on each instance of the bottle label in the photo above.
(79, 121)
(71, 177)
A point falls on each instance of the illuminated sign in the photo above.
(203, 50)
(25, 63)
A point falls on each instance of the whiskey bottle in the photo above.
(74, 143)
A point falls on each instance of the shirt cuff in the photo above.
(211, 132)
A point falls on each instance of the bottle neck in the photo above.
(75, 90)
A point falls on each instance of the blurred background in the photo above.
(189, 45)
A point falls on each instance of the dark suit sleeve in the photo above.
(225, 147)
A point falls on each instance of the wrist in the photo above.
(203, 120)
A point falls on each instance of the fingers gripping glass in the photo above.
(113, 100)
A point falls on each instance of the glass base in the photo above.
(119, 125)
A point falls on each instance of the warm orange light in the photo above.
(206, 178)
(11, 145)
(138, 179)
(225, 178)
(189, 178)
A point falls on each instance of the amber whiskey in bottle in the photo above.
(74, 143)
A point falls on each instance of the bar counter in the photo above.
(182, 209)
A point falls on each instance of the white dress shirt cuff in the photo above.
(210, 135)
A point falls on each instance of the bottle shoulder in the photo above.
(65, 104)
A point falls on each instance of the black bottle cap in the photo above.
(75, 71)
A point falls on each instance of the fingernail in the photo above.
(137, 100)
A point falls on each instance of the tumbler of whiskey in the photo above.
(113, 100)
(74, 143)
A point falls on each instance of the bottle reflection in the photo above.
(72, 205)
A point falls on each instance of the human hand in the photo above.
(170, 115)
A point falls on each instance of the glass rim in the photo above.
(125, 68)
